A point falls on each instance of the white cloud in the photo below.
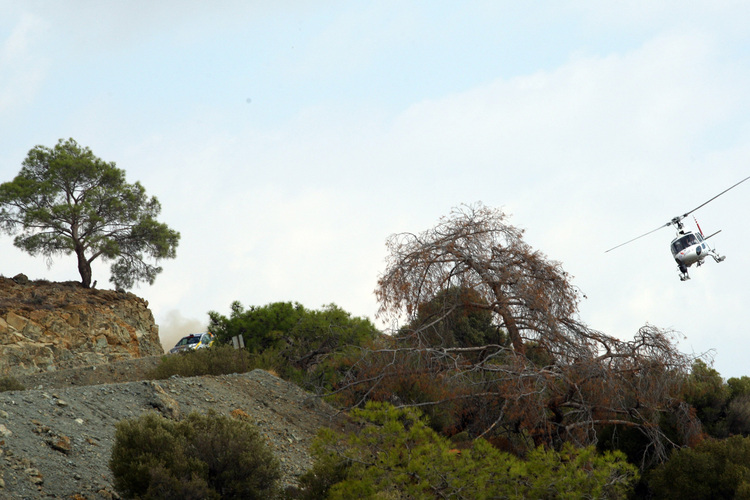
(21, 68)
(574, 151)
(588, 136)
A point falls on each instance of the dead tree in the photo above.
(554, 380)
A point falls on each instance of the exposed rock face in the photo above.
(47, 326)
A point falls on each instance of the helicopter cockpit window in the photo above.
(684, 242)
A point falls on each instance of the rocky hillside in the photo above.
(48, 326)
(56, 439)
(84, 356)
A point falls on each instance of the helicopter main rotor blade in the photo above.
(676, 221)
(712, 199)
(641, 236)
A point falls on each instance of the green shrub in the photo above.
(291, 340)
(201, 457)
(713, 469)
(738, 415)
(328, 469)
(10, 384)
(396, 455)
(216, 360)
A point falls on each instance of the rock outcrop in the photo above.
(46, 326)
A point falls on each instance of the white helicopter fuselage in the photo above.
(689, 248)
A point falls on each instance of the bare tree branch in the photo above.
(553, 378)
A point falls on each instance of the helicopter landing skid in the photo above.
(682, 268)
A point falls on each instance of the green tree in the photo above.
(738, 410)
(722, 407)
(396, 455)
(739, 387)
(455, 317)
(261, 327)
(706, 391)
(291, 339)
(713, 469)
(66, 200)
(324, 331)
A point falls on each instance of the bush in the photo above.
(396, 455)
(292, 340)
(706, 391)
(10, 384)
(738, 415)
(216, 360)
(713, 469)
(201, 457)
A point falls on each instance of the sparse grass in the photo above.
(10, 384)
(217, 360)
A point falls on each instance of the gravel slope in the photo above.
(56, 438)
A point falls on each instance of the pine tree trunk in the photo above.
(84, 268)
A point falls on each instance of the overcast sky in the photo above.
(287, 140)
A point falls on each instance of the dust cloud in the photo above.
(173, 326)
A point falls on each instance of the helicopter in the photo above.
(688, 247)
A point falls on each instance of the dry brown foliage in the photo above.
(554, 380)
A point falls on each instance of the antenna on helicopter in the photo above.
(677, 220)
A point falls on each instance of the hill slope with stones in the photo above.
(56, 438)
(84, 356)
